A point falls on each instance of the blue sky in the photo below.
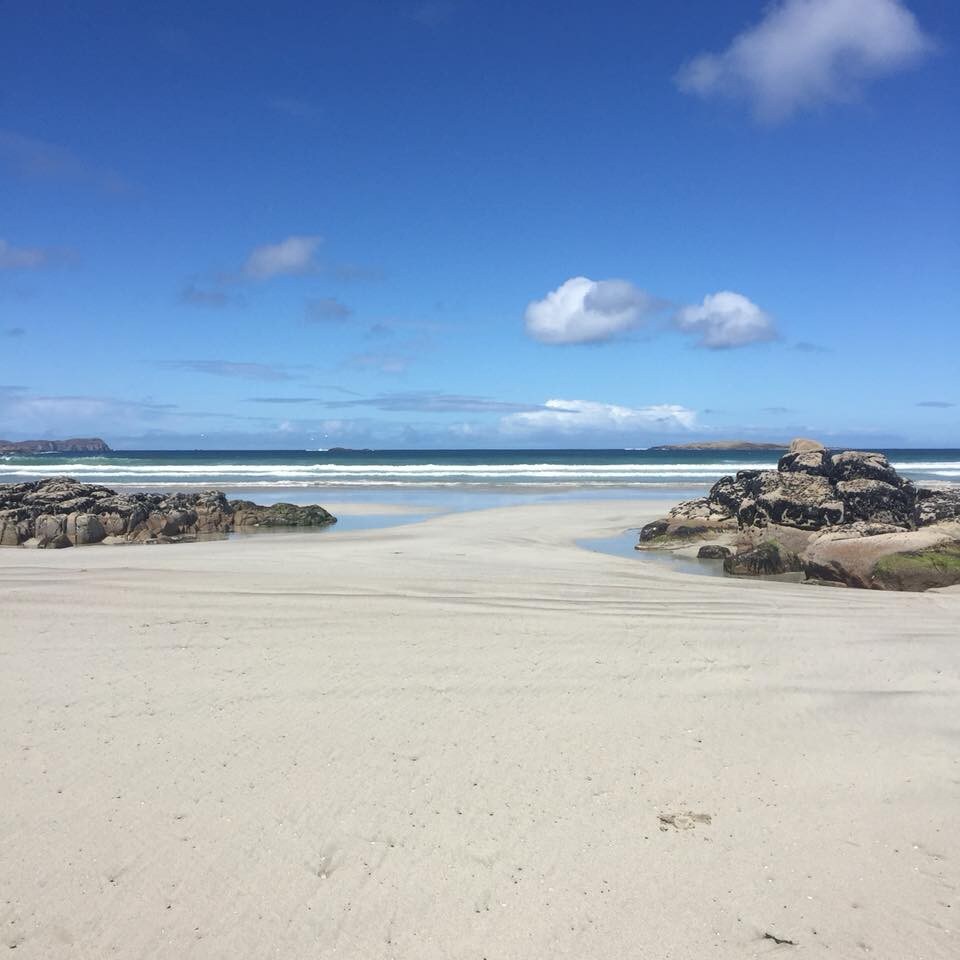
(480, 223)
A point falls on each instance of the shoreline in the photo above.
(469, 736)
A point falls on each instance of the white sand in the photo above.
(453, 739)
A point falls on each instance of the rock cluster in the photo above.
(62, 512)
(803, 517)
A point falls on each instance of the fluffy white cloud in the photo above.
(726, 319)
(294, 255)
(588, 416)
(587, 311)
(805, 52)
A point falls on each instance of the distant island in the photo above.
(721, 445)
(74, 445)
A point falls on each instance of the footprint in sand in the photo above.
(683, 821)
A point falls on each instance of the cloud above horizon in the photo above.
(29, 258)
(292, 256)
(34, 159)
(430, 401)
(325, 310)
(936, 404)
(589, 416)
(726, 319)
(234, 368)
(803, 53)
(582, 310)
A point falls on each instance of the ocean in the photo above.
(313, 474)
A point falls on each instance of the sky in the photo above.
(455, 223)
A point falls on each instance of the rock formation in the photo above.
(846, 517)
(75, 445)
(62, 512)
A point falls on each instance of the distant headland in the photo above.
(74, 445)
(722, 445)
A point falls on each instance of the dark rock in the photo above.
(815, 462)
(878, 501)
(935, 506)
(799, 500)
(653, 530)
(859, 465)
(713, 551)
(768, 559)
(247, 514)
(61, 512)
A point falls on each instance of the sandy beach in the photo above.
(468, 737)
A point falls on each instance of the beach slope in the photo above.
(469, 738)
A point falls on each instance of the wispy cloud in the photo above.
(293, 400)
(30, 258)
(803, 53)
(14, 331)
(805, 346)
(325, 310)
(726, 319)
(429, 401)
(382, 361)
(30, 158)
(236, 369)
(582, 310)
(198, 296)
(937, 404)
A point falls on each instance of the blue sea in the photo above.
(314, 474)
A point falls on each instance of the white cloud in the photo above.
(587, 311)
(588, 416)
(292, 256)
(806, 52)
(726, 319)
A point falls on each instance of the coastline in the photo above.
(458, 737)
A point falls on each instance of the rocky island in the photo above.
(846, 518)
(74, 445)
(63, 512)
(737, 445)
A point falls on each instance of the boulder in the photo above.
(935, 506)
(877, 501)
(60, 511)
(713, 551)
(936, 566)
(51, 531)
(835, 516)
(84, 528)
(247, 514)
(766, 560)
(796, 500)
(815, 462)
(652, 531)
(803, 445)
(859, 465)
